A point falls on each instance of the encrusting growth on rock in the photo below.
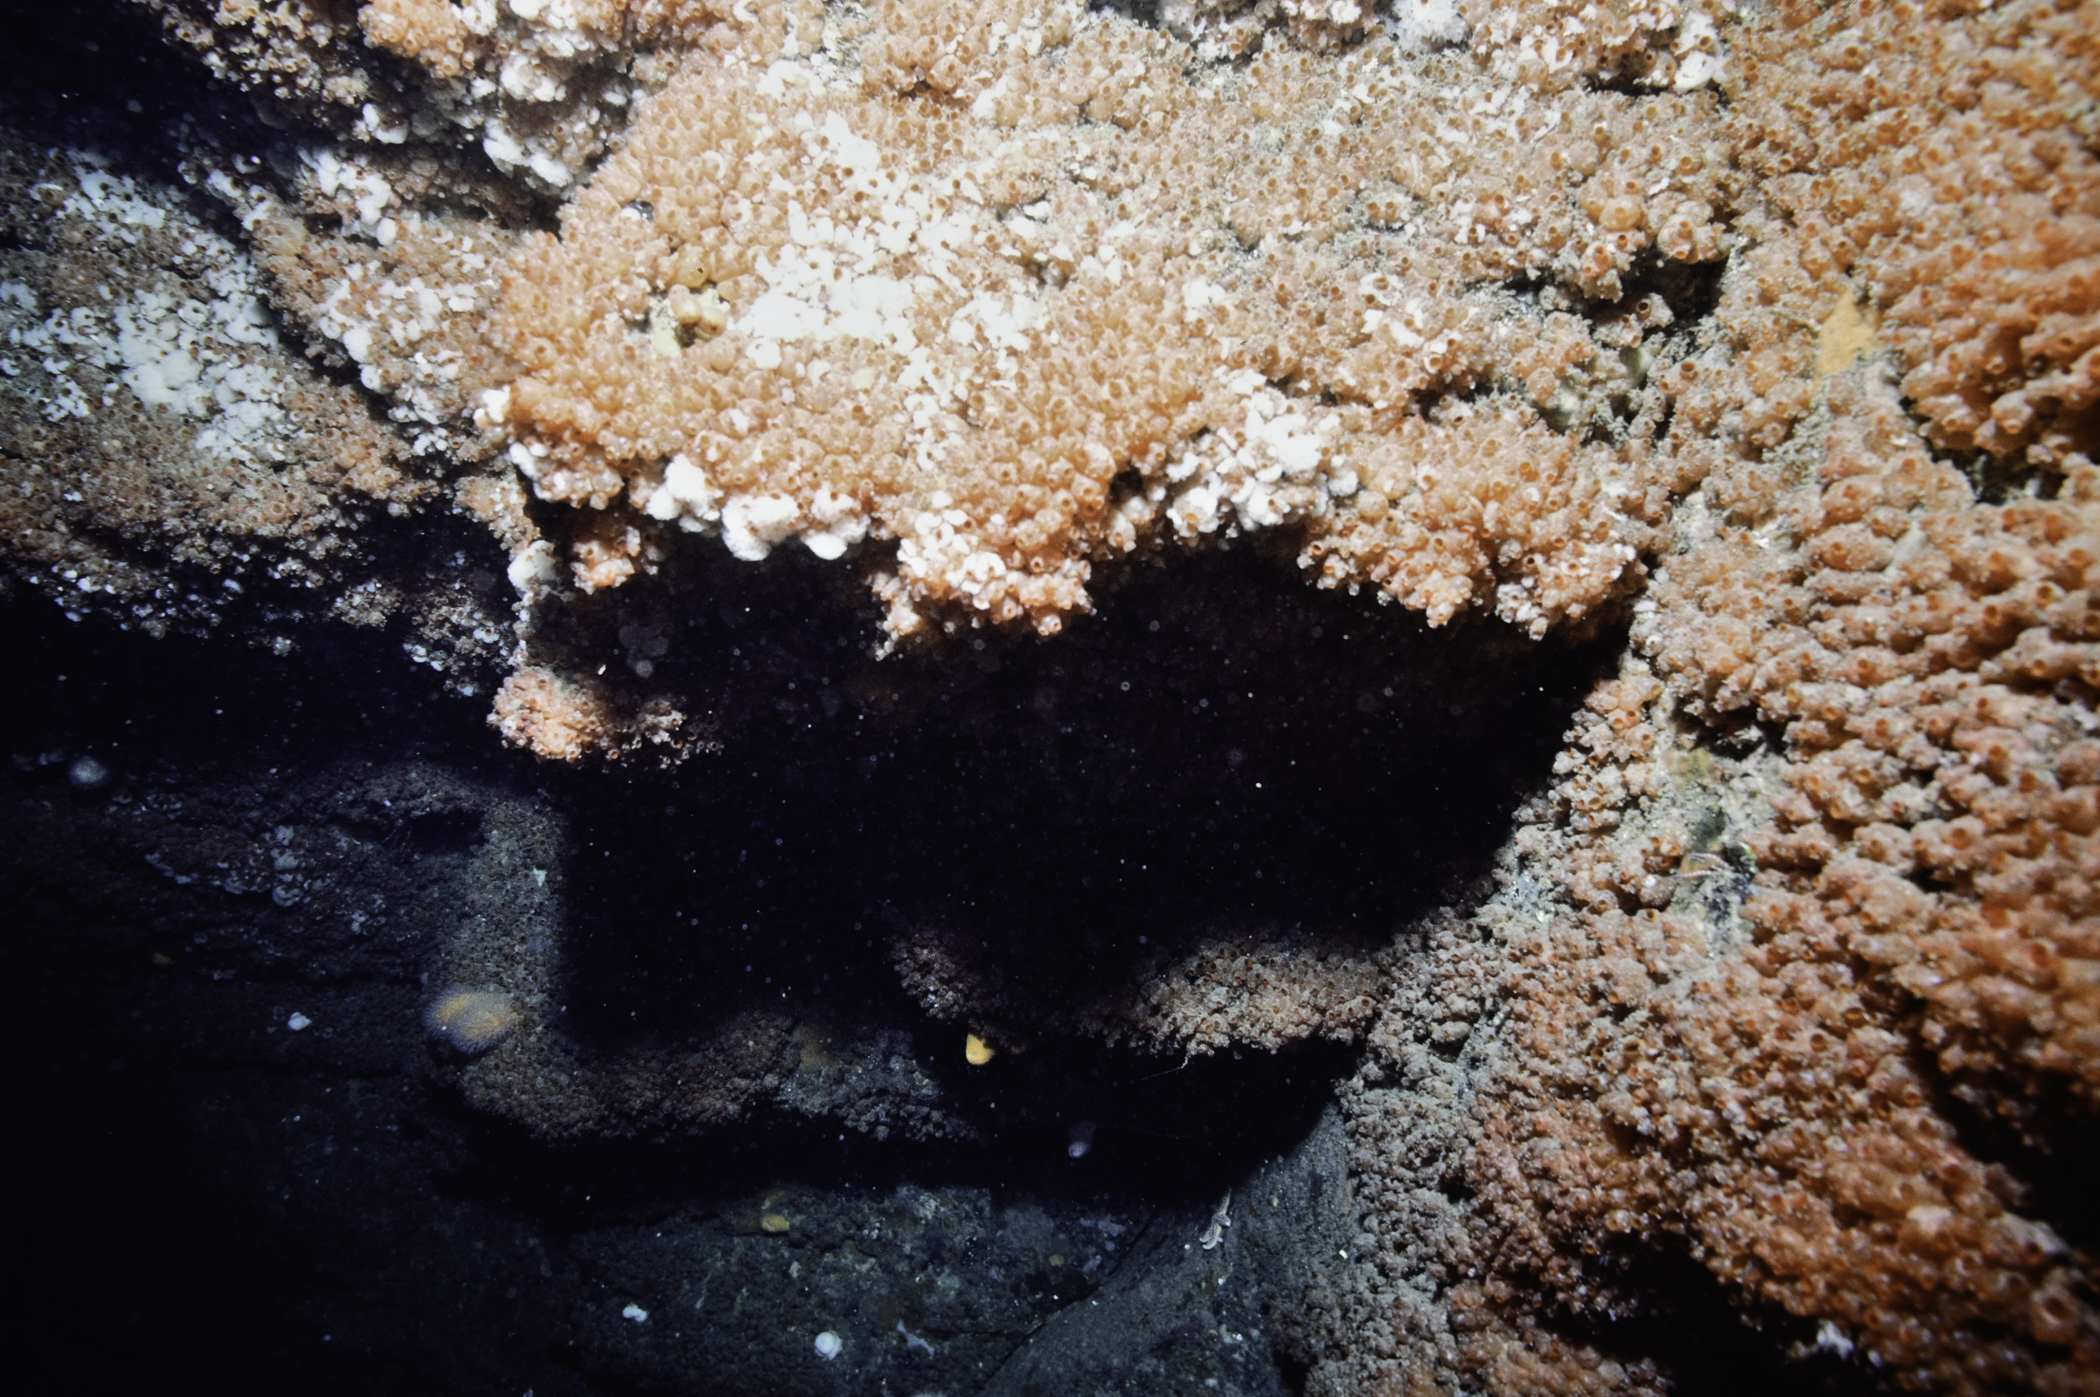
(1769, 337)
(1061, 296)
(1755, 1085)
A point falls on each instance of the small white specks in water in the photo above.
(297, 1022)
(635, 1312)
(828, 1345)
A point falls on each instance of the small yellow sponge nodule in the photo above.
(472, 1021)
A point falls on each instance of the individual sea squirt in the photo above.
(473, 1021)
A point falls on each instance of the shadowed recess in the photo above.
(1217, 755)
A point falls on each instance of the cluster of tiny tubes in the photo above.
(1021, 295)
(1777, 333)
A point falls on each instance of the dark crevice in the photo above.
(103, 76)
(99, 74)
(1692, 290)
(2039, 1132)
(1680, 1316)
(182, 699)
(1005, 788)
(1162, 1139)
(1208, 751)
(1144, 12)
(196, 600)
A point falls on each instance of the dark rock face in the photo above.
(1249, 990)
(219, 955)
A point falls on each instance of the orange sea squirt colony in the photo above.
(1066, 295)
(1804, 380)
